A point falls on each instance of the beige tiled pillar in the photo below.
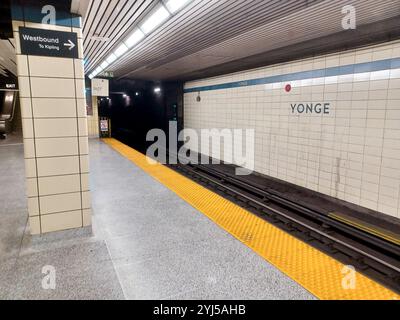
(93, 120)
(55, 133)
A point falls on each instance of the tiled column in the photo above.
(55, 137)
(93, 120)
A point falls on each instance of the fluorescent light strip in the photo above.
(104, 64)
(98, 70)
(121, 50)
(157, 17)
(175, 5)
(111, 58)
(135, 38)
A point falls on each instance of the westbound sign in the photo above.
(38, 42)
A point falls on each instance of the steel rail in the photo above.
(193, 170)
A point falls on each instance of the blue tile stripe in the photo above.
(321, 73)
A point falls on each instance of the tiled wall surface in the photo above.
(55, 137)
(352, 153)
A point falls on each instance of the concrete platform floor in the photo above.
(146, 243)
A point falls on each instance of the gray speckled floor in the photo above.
(81, 261)
(162, 248)
(146, 243)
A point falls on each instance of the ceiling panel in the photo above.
(210, 33)
(107, 23)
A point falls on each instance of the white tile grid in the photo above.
(362, 55)
(55, 136)
(352, 154)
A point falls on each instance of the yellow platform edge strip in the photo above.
(323, 276)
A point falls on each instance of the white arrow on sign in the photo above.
(71, 45)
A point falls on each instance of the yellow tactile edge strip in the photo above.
(317, 272)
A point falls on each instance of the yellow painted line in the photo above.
(317, 272)
(356, 223)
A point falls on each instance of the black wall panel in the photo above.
(135, 108)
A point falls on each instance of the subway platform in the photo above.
(145, 243)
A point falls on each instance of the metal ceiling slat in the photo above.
(278, 38)
(102, 10)
(121, 30)
(232, 33)
(196, 15)
(195, 28)
(218, 28)
(106, 28)
(296, 15)
(177, 31)
(118, 32)
(153, 34)
(89, 22)
(289, 24)
(230, 29)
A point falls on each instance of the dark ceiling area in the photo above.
(5, 20)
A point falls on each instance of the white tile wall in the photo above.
(352, 154)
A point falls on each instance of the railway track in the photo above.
(371, 255)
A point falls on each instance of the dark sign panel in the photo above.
(38, 42)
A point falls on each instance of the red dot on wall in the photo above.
(288, 88)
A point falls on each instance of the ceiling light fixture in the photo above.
(111, 58)
(98, 70)
(104, 65)
(175, 5)
(121, 50)
(135, 37)
(159, 16)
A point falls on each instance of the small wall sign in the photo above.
(311, 108)
(100, 88)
